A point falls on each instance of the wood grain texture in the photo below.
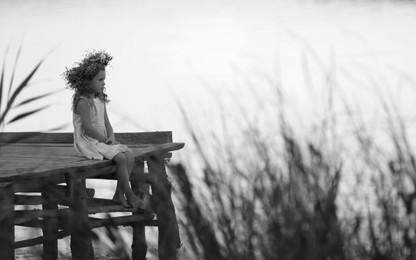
(66, 137)
(19, 162)
(6, 222)
(34, 162)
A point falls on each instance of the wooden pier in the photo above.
(43, 171)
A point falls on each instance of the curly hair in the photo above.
(79, 76)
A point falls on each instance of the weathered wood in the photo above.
(81, 239)
(138, 246)
(41, 239)
(169, 239)
(125, 138)
(23, 216)
(60, 194)
(75, 166)
(36, 184)
(22, 199)
(114, 208)
(122, 220)
(94, 223)
(38, 161)
(6, 221)
(50, 225)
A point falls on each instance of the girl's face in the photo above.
(98, 82)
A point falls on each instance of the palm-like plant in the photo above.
(10, 93)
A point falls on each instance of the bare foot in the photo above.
(146, 199)
(135, 201)
(119, 198)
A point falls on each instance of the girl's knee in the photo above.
(120, 158)
(130, 156)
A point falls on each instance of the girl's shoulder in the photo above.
(86, 99)
(83, 99)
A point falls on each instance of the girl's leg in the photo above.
(143, 195)
(119, 194)
(130, 161)
(123, 184)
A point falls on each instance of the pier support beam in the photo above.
(81, 235)
(169, 239)
(50, 225)
(6, 221)
(139, 246)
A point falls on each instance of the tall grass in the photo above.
(279, 196)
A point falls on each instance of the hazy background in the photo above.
(221, 61)
(201, 51)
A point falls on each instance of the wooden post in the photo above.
(6, 221)
(139, 246)
(50, 226)
(81, 244)
(169, 239)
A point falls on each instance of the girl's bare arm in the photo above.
(110, 131)
(83, 109)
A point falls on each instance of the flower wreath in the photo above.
(90, 65)
(87, 69)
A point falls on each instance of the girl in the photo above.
(93, 133)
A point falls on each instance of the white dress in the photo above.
(88, 146)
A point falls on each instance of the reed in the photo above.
(278, 196)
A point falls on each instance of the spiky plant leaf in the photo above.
(1, 85)
(23, 115)
(14, 69)
(18, 90)
(29, 100)
(2, 78)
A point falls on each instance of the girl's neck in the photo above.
(94, 95)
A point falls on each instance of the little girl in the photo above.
(93, 133)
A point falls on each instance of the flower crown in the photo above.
(90, 65)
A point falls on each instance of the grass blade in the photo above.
(34, 98)
(1, 85)
(18, 90)
(23, 115)
(14, 69)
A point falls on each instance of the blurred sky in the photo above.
(204, 54)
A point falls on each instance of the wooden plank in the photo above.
(139, 246)
(121, 221)
(35, 223)
(6, 222)
(169, 239)
(94, 223)
(50, 225)
(21, 199)
(60, 193)
(23, 216)
(35, 137)
(92, 167)
(65, 137)
(98, 205)
(81, 237)
(33, 161)
(41, 239)
(35, 184)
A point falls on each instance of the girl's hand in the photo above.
(111, 140)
